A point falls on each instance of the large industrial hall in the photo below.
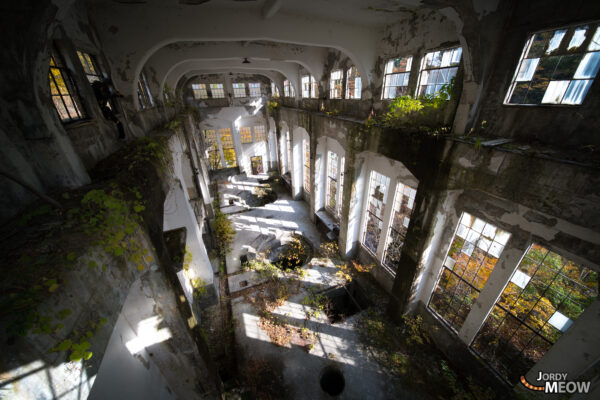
(303, 200)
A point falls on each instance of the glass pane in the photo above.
(555, 41)
(555, 92)
(578, 37)
(588, 67)
(527, 69)
(595, 42)
(60, 107)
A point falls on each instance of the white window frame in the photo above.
(398, 80)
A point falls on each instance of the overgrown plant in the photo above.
(224, 231)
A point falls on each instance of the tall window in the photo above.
(200, 91)
(254, 89)
(353, 84)
(335, 84)
(332, 183)
(437, 69)
(306, 87)
(239, 90)
(557, 66)
(314, 87)
(395, 79)
(210, 142)
(341, 190)
(306, 144)
(288, 139)
(546, 293)
(246, 134)
(274, 89)
(90, 66)
(227, 146)
(260, 134)
(404, 200)
(288, 89)
(216, 91)
(62, 90)
(474, 252)
(378, 191)
(144, 96)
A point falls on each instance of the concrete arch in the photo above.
(289, 70)
(131, 42)
(168, 58)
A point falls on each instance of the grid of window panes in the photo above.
(332, 176)
(378, 191)
(274, 90)
(63, 92)
(216, 90)
(259, 134)
(353, 84)
(90, 66)
(557, 66)
(246, 134)
(475, 249)
(404, 200)
(306, 165)
(200, 91)
(437, 69)
(545, 295)
(254, 89)
(341, 190)
(210, 141)
(144, 96)
(306, 87)
(288, 89)
(227, 146)
(395, 80)
(335, 84)
(239, 90)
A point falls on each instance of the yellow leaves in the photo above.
(148, 259)
(140, 267)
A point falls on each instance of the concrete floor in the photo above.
(336, 344)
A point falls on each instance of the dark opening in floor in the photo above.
(332, 381)
(345, 301)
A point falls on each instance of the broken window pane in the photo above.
(378, 190)
(437, 69)
(545, 295)
(395, 80)
(288, 89)
(473, 254)
(400, 218)
(90, 66)
(306, 87)
(549, 70)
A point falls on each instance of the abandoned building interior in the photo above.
(279, 199)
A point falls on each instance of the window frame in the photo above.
(584, 49)
(260, 134)
(288, 89)
(306, 166)
(357, 84)
(399, 194)
(254, 91)
(332, 177)
(423, 68)
(336, 85)
(217, 90)
(227, 146)
(239, 92)
(57, 63)
(144, 95)
(246, 134)
(368, 212)
(388, 76)
(200, 92)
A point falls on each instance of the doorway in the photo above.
(256, 165)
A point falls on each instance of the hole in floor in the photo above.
(290, 255)
(344, 302)
(332, 381)
(243, 283)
